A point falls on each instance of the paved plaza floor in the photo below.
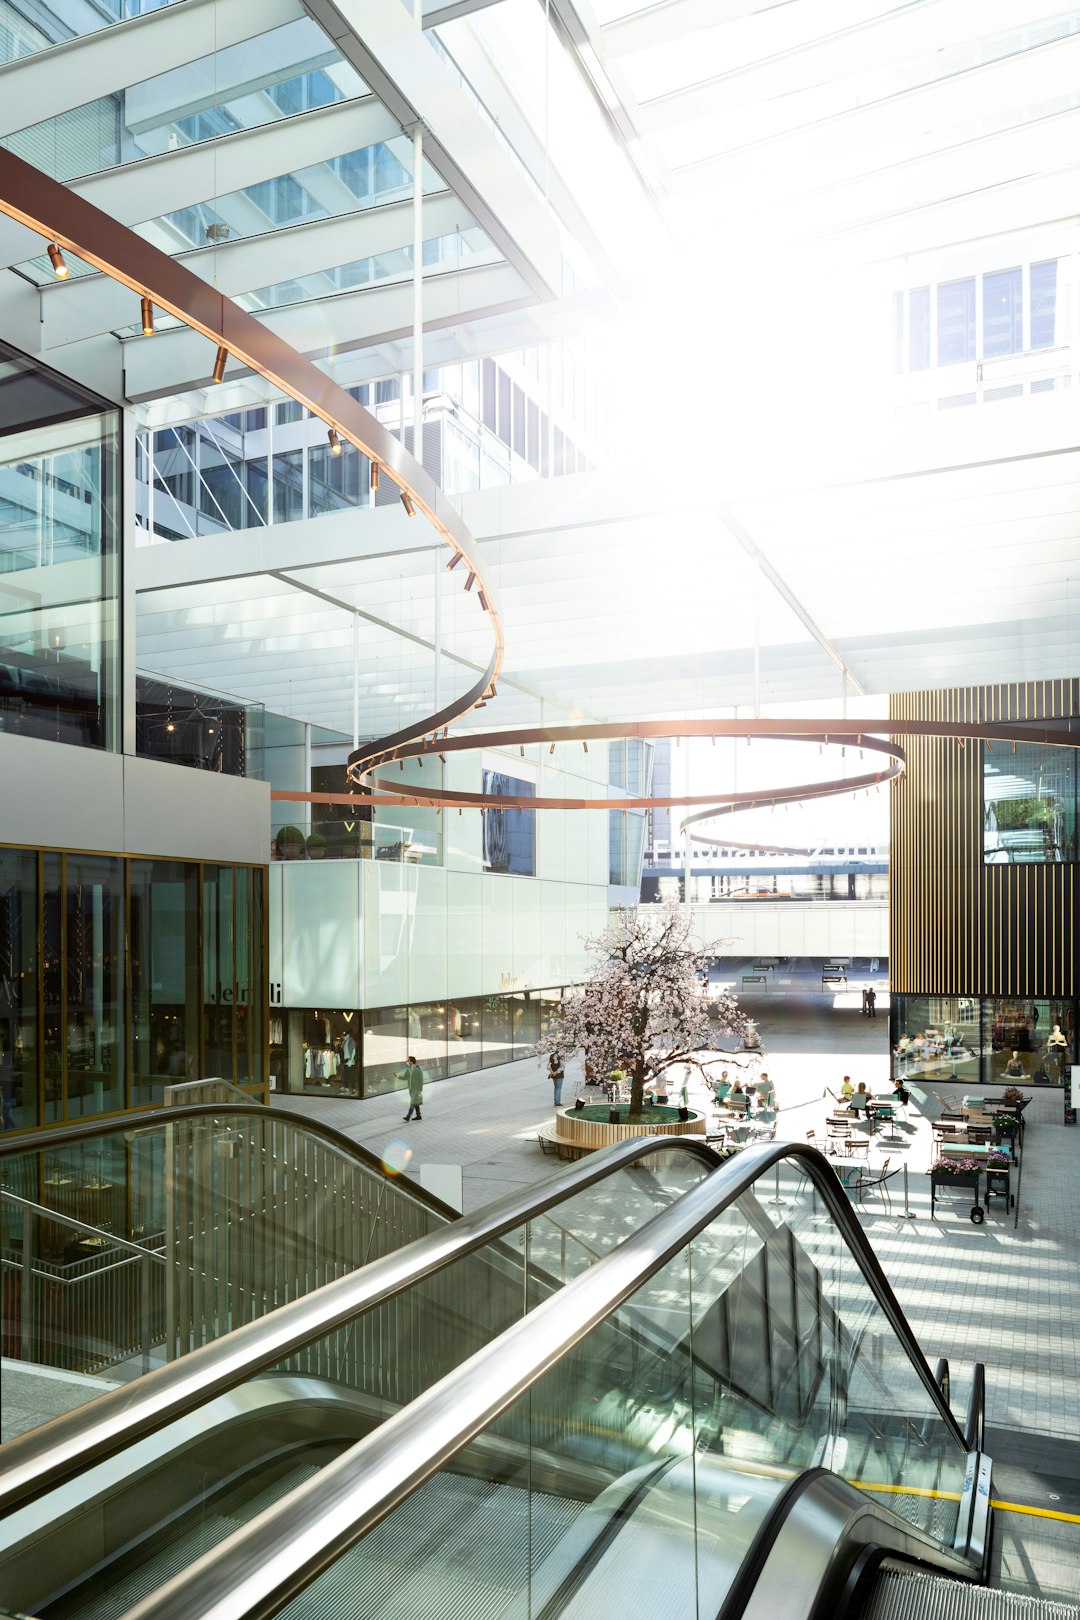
(1006, 1293)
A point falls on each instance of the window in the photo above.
(898, 331)
(1043, 296)
(956, 321)
(1030, 804)
(1003, 312)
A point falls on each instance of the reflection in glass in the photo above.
(1043, 303)
(919, 329)
(18, 989)
(1031, 800)
(58, 565)
(509, 835)
(94, 1013)
(163, 945)
(1003, 312)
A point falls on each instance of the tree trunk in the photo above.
(637, 1087)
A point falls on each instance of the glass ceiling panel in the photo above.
(367, 178)
(286, 71)
(19, 37)
(441, 253)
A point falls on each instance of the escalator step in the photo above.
(458, 1549)
(134, 1575)
(900, 1594)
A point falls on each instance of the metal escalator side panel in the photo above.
(816, 1551)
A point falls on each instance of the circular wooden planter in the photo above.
(588, 1134)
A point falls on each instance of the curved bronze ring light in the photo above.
(66, 220)
(367, 761)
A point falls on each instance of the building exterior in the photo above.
(983, 919)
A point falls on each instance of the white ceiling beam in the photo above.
(176, 361)
(829, 72)
(68, 75)
(71, 311)
(672, 19)
(136, 192)
(402, 68)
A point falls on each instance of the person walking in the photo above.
(871, 1003)
(556, 1074)
(414, 1077)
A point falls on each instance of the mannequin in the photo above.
(1014, 1068)
(1057, 1042)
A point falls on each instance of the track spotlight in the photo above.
(522, 746)
(471, 581)
(585, 746)
(482, 599)
(551, 750)
(58, 262)
(373, 477)
(219, 363)
(443, 758)
(335, 442)
(455, 559)
(147, 317)
(407, 503)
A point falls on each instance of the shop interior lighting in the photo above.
(58, 262)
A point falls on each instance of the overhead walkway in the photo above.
(652, 1385)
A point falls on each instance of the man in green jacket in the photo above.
(414, 1077)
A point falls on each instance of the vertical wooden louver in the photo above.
(956, 925)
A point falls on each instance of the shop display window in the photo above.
(1031, 800)
(994, 1040)
(936, 1038)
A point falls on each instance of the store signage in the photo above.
(1072, 1095)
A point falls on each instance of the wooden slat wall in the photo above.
(956, 925)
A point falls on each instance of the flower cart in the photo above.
(960, 1173)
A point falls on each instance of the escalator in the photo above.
(651, 1385)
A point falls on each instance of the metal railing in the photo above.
(37, 1462)
(205, 1091)
(88, 1316)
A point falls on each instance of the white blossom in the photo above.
(646, 1006)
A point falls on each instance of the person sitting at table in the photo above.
(722, 1087)
(859, 1099)
(900, 1092)
(738, 1098)
(766, 1095)
(847, 1090)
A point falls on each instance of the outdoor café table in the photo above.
(974, 1102)
(966, 1150)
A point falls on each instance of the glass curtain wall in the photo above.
(1031, 804)
(121, 976)
(59, 559)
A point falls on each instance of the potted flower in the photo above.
(962, 1173)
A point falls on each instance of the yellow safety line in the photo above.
(954, 1496)
(1036, 1513)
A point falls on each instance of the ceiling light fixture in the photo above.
(147, 317)
(219, 363)
(471, 581)
(551, 750)
(455, 559)
(407, 503)
(335, 442)
(373, 477)
(56, 258)
(482, 599)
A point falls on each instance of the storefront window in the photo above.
(509, 835)
(936, 1038)
(163, 944)
(498, 1031)
(983, 1041)
(386, 1047)
(464, 1045)
(18, 989)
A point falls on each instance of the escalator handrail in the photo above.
(975, 1421)
(86, 1130)
(48, 1456)
(261, 1567)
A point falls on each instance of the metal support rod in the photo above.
(687, 840)
(439, 571)
(757, 639)
(418, 292)
(144, 1312)
(907, 1215)
(26, 1287)
(356, 680)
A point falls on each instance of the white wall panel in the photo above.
(784, 928)
(320, 933)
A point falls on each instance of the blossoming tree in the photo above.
(645, 1008)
